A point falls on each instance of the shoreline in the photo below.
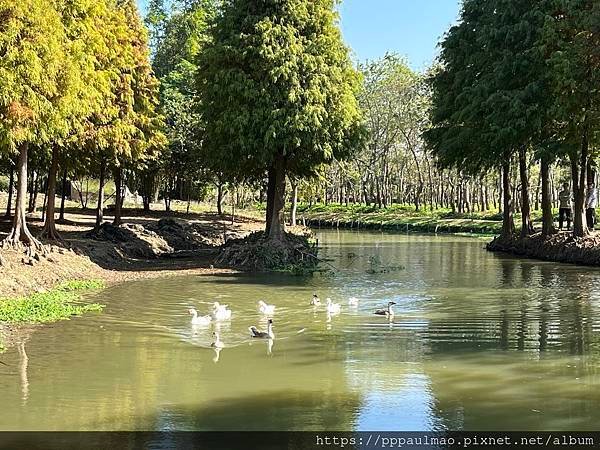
(559, 248)
(386, 221)
(147, 245)
(432, 227)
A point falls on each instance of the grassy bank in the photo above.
(56, 304)
(400, 218)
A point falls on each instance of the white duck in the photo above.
(266, 309)
(353, 301)
(256, 333)
(220, 312)
(333, 308)
(316, 301)
(389, 312)
(217, 343)
(199, 320)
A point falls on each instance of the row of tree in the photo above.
(255, 97)
(519, 80)
(77, 94)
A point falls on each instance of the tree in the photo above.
(181, 36)
(278, 94)
(572, 40)
(129, 130)
(395, 104)
(86, 87)
(31, 82)
(490, 95)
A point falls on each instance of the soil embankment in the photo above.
(147, 245)
(561, 247)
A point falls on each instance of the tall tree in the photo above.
(490, 96)
(184, 32)
(278, 93)
(32, 70)
(572, 36)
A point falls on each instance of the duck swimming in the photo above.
(266, 309)
(389, 312)
(316, 301)
(220, 312)
(255, 333)
(333, 308)
(199, 320)
(353, 301)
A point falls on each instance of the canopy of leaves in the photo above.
(32, 72)
(490, 93)
(276, 78)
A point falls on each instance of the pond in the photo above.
(479, 342)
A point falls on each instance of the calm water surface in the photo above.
(479, 342)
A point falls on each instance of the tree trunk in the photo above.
(35, 177)
(270, 198)
(295, 203)
(61, 217)
(100, 206)
(49, 230)
(547, 217)
(526, 225)
(220, 198)
(118, 174)
(19, 232)
(508, 225)
(276, 229)
(11, 186)
(579, 175)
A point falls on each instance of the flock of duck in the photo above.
(221, 312)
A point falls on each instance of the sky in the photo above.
(411, 28)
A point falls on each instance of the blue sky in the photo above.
(411, 28)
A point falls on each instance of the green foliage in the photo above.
(572, 41)
(179, 36)
(276, 79)
(59, 303)
(490, 90)
(31, 69)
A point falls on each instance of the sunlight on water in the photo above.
(479, 342)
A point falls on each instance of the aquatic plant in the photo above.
(56, 304)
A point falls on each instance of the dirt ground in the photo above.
(147, 245)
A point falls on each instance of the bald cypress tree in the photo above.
(277, 94)
(32, 71)
(85, 88)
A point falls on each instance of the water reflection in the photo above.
(23, 365)
(478, 341)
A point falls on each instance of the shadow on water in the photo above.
(293, 410)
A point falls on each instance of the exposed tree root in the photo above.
(256, 252)
(50, 233)
(24, 241)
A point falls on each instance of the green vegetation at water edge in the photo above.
(56, 304)
(404, 218)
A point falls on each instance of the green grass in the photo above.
(402, 218)
(56, 304)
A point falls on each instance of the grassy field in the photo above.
(404, 218)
